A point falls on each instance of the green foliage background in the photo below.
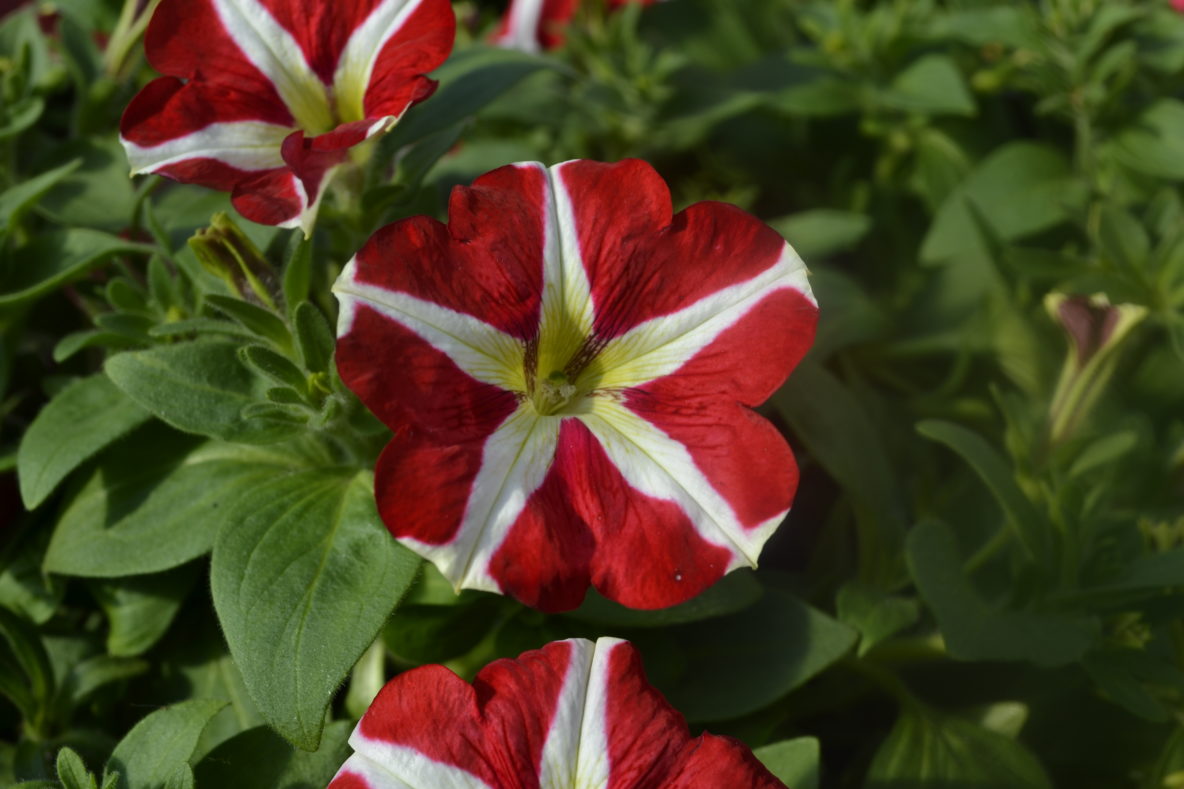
(982, 580)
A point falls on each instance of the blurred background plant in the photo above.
(982, 581)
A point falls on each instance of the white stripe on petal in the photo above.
(522, 25)
(246, 145)
(356, 65)
(658, 466)
(567, 309)
(576, 751)
(274, 51)
(384, 765)
(661, 345)
(514, 463)
(481, 350)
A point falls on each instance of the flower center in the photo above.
(553, 393)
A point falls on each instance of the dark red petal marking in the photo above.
(647, 555)
(186, 39)
(488, 261)
(642, 262)
(168, 108)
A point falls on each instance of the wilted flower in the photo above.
(569, 369)
(265, 98)
(572, 714)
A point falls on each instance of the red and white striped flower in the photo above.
(265, 98)
(572, 715)
(569, 368)
(533, 25)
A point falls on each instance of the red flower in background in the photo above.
(573, 714)
(531, 25)
(265, 98)
(569, 368)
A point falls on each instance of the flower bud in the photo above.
(226, 252)
(1096, 329)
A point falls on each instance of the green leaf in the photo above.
(72, 772)
(297, 273)
(876, 615)
(261, 758)
(27, 679)
(82, 419)
(732, 593)
(794, 762)
(1105, 451)
(15, 200)
(470, 80)
(822, 232)
(1031, 528)
(98, 194)
(53, 259)
(24, 588)
(314, 336)
(841, 436)
(139, 609)
(302, 585)
(1153, 142)
(159, 502)
(90, 675)
(1020, 189)
(927, 751)
(973, 630)
(1124, 239)
(739, 663)
(275, 366)
(259, 321)
(435, 633)
(155, 754)
(199, 387)
(931, 84)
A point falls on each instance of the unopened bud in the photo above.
(1096, 329)
(226, 252)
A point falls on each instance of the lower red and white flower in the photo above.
(534, 25)
(266, 98)
(569, 369)
(572, 715)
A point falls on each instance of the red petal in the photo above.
(168, 108)
(642, 262)
(487, 262)
(418, 47)
(186, 39)
(640, 551)
(395, 372)
(269, 198)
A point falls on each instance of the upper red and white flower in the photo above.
(572, 715)
(569, 367)
(534, 25)
(265, 98)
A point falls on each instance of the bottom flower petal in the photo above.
(573, 714)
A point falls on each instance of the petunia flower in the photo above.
(533, 25)
(573, 714)
(266, 98)
(569, 368)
